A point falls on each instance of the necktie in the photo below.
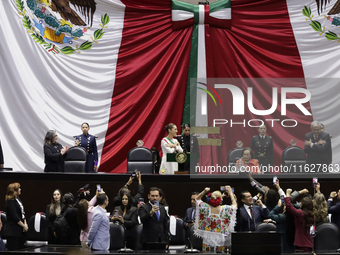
(251, 212)
(315, 138)
(193, 215)
(157, 214)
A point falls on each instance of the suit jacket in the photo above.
(154, 229)
(53, 159)
(302, 236)
(248, 224)
(130, 218)
(14, 215)
(189, 217)
(263, 149)
(318, 154)
(1, 155)
(2, 245)
(335, 211)
(99, 235)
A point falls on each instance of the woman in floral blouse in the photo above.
(215, 222)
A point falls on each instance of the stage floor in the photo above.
(78, 250)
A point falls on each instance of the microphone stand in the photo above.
(125, 250)
(192, 250)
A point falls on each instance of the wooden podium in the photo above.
(171, 157)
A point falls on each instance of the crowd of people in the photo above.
(213, 215)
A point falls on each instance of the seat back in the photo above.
(117, 236)
(234, 155)
(327, 238)
(140, 158)
(263, 227)
(75, 160)
(293, 156)
(195, 241)
(179, 237)
(40, 234)
(137, 234)
(3, 220)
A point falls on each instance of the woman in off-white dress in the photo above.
(169, 145)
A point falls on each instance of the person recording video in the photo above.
(117, 200)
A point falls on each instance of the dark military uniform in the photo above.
(88, 142)
(189, 144)
(263, 149)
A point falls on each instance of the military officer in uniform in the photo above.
(263, 148)
(88, 142)
(189, 144)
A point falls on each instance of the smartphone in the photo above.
(275, 179)
(140, 200)
(117, 213)
(156, 203)
(315, 181)
(223, 188)
(133, 174)
(282, 200)
(312, 230)
(99, 188)
(232, 190)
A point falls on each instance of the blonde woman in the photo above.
(215, 222)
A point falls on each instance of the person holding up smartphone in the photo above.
(117, 200)
(304, 219)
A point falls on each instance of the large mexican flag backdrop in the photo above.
(122, 67)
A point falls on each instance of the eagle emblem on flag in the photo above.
(324, 24)
(58, 25)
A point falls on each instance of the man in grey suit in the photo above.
(99, 235)
(317, 145)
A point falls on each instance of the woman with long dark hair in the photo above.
(54, 153)
(52, 212)
(127, 215)
(85, 213)
(303, 218)
(16, 226)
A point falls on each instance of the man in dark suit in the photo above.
(155, 220)
(262, 146)
(317, 145)
(335, 209)
(1, 157)
(189, 217)
(249, 214)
